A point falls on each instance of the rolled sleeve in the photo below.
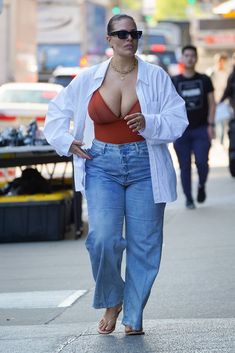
(171, 121)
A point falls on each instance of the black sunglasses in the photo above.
(123, 34)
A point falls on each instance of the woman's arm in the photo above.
(211, 115)
(57, 123)
(171, 121)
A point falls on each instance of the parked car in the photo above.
(20, 103)
(167, 57)
(153, 59)
(64, 75)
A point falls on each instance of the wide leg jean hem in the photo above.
(108, 305)
(132, 325)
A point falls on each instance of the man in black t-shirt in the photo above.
(197, 91)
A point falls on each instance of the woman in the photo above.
(133, 110)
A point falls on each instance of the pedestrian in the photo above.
(229, 92)
(219, 76)
(133, 111)
(197, 91)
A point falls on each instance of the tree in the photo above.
(171, 9)
(131, 4)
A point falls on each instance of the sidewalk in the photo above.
(162, 336)
(192, 304)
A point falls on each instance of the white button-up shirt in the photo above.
(162, 107)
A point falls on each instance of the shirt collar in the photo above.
(142, 71)
(102, 68)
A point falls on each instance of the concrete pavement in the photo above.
(162, 336)
(192, 304)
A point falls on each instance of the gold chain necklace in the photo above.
(123, 73)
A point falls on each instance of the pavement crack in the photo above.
(66, 343)
(69, 341)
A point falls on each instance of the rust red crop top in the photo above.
(108, 127)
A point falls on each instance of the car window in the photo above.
(167, 57)
(26, 96)
(156, 38)
(63, 80)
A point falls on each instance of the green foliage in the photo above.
(131, 4)
(171, 9)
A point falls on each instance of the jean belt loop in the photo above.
(104, 146)
(137, 147)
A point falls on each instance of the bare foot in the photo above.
(108, 322)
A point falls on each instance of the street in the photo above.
(191, 307)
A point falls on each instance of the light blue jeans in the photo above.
(118, 189)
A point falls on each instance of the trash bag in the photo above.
(30, 182)
(223, 112)
(11, 137)
(23, 136)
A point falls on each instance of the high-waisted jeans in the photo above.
(118, 189)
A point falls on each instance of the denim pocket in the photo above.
(95, 151)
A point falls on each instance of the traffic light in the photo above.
(116, 10)
(148, 18)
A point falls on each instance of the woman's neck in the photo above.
(123, 62)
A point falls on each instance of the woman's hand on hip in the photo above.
(135, 121)
(76, 149)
